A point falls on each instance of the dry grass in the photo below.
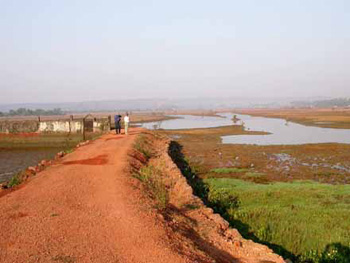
(216, 131)
(328, 118)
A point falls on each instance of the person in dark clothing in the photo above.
(117, 119)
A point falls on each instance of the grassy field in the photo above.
(295, 199)
(301, 217)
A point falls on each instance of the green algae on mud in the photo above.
(44, 140)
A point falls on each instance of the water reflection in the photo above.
(188, 122)
(15, 160)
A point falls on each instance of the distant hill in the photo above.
(29, 112)
(338, 102)
(198, 103)
(138, 104)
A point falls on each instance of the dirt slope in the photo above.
(191, 225)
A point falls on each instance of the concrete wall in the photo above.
(74, 126)
(101, 125)
(18, 126)
(61, 126)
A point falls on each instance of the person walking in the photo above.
(117, 120)
(126, 123)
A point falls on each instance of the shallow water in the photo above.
(287, 133)
(188, 122)
(282, 132)
(16, 160)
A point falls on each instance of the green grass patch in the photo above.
(309, 219)
(229, 170)
(15, 180)
(254, 175)
(151, 177)
(69, 151)
(143, 146)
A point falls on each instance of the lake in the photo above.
(282, 132)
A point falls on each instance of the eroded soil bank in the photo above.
(192, 225)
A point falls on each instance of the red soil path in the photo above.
(83, 209)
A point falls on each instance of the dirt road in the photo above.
(83, 209)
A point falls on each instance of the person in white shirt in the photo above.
(126, 123)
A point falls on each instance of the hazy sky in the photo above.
(66, 50)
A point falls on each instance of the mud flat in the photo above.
(327, 118)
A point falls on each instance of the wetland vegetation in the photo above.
(293, 198)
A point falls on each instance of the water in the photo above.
(188, 122)
(287, 133)
(16, 160)
(282, 132)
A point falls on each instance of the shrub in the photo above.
(222, 200)
(15, 180)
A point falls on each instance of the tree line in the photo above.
(29, 112)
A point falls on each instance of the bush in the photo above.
(222, 200)
(333, 253)
(15, 180)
